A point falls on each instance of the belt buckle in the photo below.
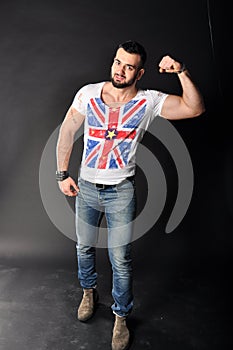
(100, 186)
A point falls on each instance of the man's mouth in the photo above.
(119, 77)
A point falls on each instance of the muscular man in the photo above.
(115, 113)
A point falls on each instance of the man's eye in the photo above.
(130, 68)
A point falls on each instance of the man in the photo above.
(116, 114)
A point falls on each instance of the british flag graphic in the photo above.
(111, 131)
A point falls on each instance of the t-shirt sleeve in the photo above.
(79, 100)
(157, 99)
(161, 98)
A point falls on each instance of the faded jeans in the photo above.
(118, 204)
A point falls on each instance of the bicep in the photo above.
(174, 108)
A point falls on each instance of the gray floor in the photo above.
(176, 310)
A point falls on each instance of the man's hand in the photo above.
(68, 187)
(169, 65)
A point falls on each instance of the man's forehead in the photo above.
(126, 57)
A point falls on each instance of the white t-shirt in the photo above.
(111, 135)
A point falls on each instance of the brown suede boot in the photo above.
(120, 337)
(87, 305)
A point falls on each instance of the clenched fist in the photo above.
(169, 65)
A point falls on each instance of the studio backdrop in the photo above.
(50, 49)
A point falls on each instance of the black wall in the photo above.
(49, 49)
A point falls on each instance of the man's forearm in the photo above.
(69, 127)
(191, 94)
(64, 149)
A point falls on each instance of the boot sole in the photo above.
(126, 348)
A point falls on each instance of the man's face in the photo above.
(125, 69)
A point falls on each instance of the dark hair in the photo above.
(131, 46)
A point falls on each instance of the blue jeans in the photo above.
(118, 204)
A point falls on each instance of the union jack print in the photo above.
(111, 131)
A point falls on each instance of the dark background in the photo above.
(48, 50)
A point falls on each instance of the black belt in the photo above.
(103, 186)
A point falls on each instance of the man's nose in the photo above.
(121, 69)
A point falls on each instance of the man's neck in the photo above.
(111, 94)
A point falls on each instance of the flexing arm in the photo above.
(191, 103)
(72, 122)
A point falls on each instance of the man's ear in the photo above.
(140, 73)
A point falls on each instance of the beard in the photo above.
(125, 84)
